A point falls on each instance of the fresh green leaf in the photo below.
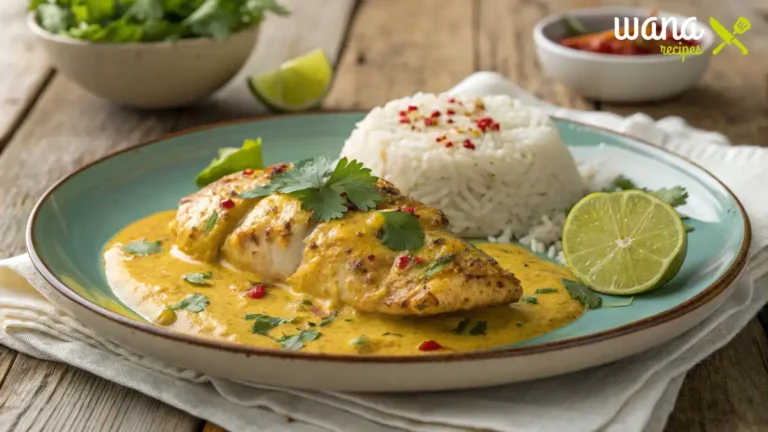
(232, 160)
(392, 334)
(298, 341)
(359, 341)
(621, 183)
(479, 328)
(142, 247)
(530, 300)
(193, 303)
(329, 319)
(401, 231)
(325, 203)
(613, 304)
(145, 10)
(582, 293)
(438, 264)
(198, 278)
(306, 174)
(262, 324)
(674, 196)
(211, 222)
(357, 182)
(461, 326)
(545, 290)
(53, 18)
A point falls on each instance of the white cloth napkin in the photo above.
(636, 394)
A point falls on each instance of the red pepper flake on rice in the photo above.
(468, 144)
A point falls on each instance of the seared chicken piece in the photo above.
(343, 260)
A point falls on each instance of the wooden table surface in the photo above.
(381, 49)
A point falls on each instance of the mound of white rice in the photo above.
(495, 167)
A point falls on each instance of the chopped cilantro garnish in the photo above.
(142, 247)
(479, 328)
(211, 222)
(329, 319)
(358, 341)
(582, 293)
(231, 160)
(325, 188)
(461, 326)
(438, 265)
(392, 334)
(519, 323)
(674, 196)
(545, 290)
(193, 303)
(530, 300)
(262, 324)
(198, 278)
(401, 231)
(297, 341)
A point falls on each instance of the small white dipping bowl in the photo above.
(617, 78)
(151, 75)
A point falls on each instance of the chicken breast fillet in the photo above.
(343, 260)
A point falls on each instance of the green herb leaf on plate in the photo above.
(582, 293)
(401, 231)
(198, 278)
(359, 341)
(392, 334)
(329, 319)
(262, 323)
(530, 300)
(192, 303)
(298, 341)
(357, 182)
(232, 160)
(211, 223)
(142, 247)
(674, 196)
(479, 328)
(438, 264)
(461, 326)
(548, 290)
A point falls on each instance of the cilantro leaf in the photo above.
(329, 319)
(359, 341)
(461, 326)
(582, 293)
(392, 334)
(325, 203)
(306, 174)
(211, 222)
(262, 324)
(545, 290)
(530, 300)
(357, 182)
(53, 18)
(479, 328)
(674, 196)
(142, 247)
(622, 183)
(198, 278)
(438, 264)
(193, 303)
(401, 231)
(297, 341)
(232, 160)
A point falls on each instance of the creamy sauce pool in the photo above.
(148, 284)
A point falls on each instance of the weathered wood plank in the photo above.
(398, 47)
(52, 141)
(729, 390)
(23, 67)
(40, 396)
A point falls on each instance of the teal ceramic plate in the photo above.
(78, 215)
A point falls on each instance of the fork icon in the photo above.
(741, 26)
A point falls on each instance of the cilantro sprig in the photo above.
(674, 196)
(402, 231)
(142, 247)
(326, 189)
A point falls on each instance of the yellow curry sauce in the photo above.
(148, 284)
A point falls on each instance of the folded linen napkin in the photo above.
(636, 394)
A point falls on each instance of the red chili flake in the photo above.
(468, 144)
(440, 138)
(435, 114)
(484, 122)
(450, 112)
(403, 113)
(403, 261)
(495, 126)
(412, 108)
(227, 204)
(429, 122)
(451, 100)
(418, 260)
(404, 120)
(248, 171)
(256, 292)
(430, 345)
(450, 120)
(449, 144)
(410, 210)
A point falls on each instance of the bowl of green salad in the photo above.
(151, 54)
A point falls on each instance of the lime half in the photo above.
(624, 243)
(296, 85)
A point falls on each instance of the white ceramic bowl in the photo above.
(149, 75)
(617, 78)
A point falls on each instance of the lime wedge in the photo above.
(298, 84)
(624, 243)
